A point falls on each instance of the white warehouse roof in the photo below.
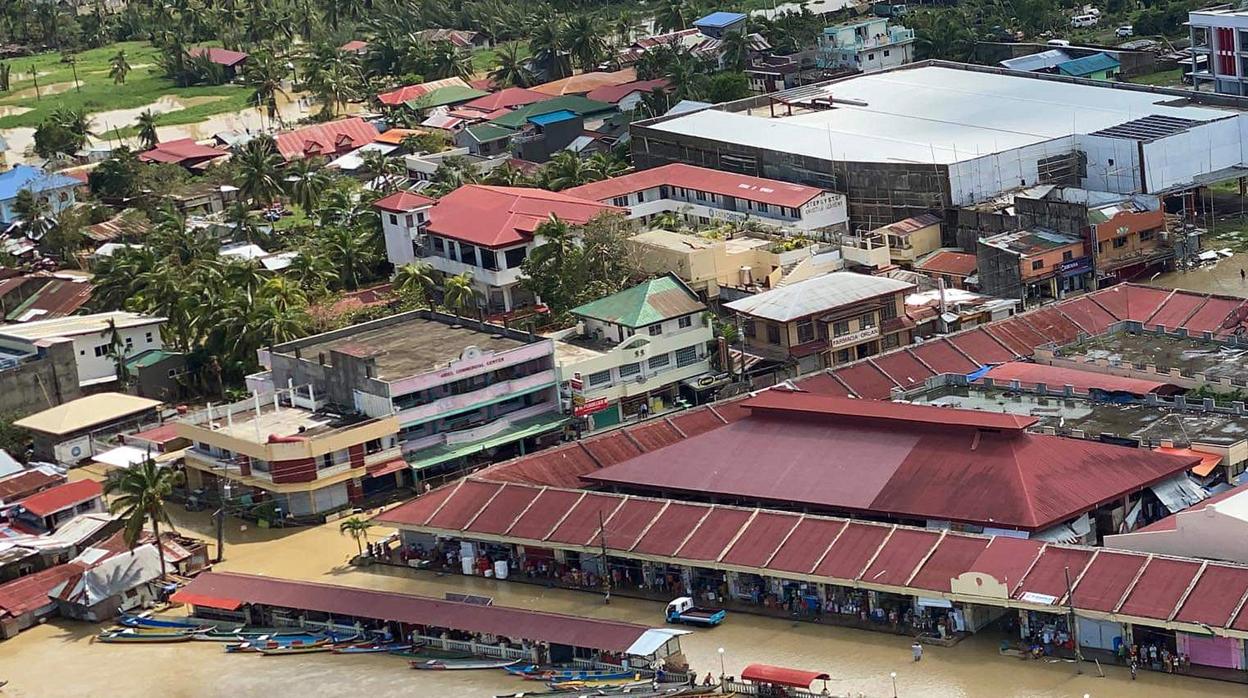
(939, 114)
(73, 325)
(816, 295)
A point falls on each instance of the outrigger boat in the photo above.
(155, 622)
(462, 664)
(589, 675)
(294, 649)
(245, 635)
(371, 647)
(130, 635)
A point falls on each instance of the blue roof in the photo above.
(32, 178)
(553, 117)
(1088, 65)
(719, 19)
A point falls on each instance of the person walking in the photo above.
(1135, 668)
(916, 650)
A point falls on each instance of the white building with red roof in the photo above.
(487, 231)
(701, 196)
(403, 215)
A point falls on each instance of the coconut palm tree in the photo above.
(565, 170)
(264, 74)
(35, 214)
(447, 61)
(139, 497)
(672, 15)
(283, 293)
(549, 51)
(558, 244)
(458, 295)
(334, 87)
(357, 528)
(416, 280)
(146, 123)
(605, 166)
(305, 183)
(385, 172)
(507, 175)
(624, 27)
(510, 69)
(312, 270)
(258, 165)
(351, 251)
(584, 41)
(119, 67)
(735, 51)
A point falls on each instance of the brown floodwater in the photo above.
(59, 659)
(1222, 278)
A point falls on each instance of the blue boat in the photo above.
(151, 622)
(569, 676)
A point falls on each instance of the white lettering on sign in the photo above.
(854, 337)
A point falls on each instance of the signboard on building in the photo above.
(589, 407)
(1075, 267)
(853, 338)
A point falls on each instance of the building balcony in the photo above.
(521, 424)
(497, 392)
(489, 277)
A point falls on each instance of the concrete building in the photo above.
(702, 197)
(953, 267)
(1219, 35)
(67, 433)
(707, 265)
(635, 353)
(403, 217)
(460, 392)
(37, 377)
(1033, 265)
(938, 136)
(291, 449)
(826, 320)
(46, 511)
(1213, 529)
(717, 25)
(99, 341)
(866, 46)
(912, 238)
(55, 190)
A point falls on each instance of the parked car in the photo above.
(1080, 21)
(1124, 31)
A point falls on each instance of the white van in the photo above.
(1079, 21)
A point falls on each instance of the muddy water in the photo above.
(1222, 278)
(36, 662)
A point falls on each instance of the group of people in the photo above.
(1155, 658)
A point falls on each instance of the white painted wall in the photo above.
(95, 368)
(1113, 164)
(1177, 160)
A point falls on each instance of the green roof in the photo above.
(520, 429)
(483, 133)
(644, 304)
(573, 103)
(451, 94)
(151, 357)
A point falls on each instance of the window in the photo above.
(686, 356)
(1147, 235)
(842, 356)
(762, 208)
(1037, 265)
(891, 341)
(438, 245)
(468, 255)
(805, 331)
(101, 350)
(655, 330)
(866, 321)
(700, 195)
(1120, 241)
(773, 334)
(489, 259)
(394, 220)
(620, 201)
(870, 56)
(599, 378)
(657, 362)
(888, 312)
(749, 328)
(840, 328)
(408, 218)
(886, 53)
(515, 257)
(686, 321)
(629, 370)
(147, 337)
(64, 196)
(1067, 256)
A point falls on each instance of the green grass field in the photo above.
(483, 61)
(97, 92)
(1164, 78)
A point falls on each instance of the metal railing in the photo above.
(749, 689)
(476, 648)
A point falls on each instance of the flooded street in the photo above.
(36, 662)
(1222, 278)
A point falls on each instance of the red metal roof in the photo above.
(1048, 575)
(1055, 377)
(417, 512)
(220, 56)
(325, 140)
(1106, 580)
(1087, 314)
(823, 383)
(1017, 335)
(806, 545)
(900, 556)
(697, 422)
(403, 202)
(952, 557)
(512, 623)
(626, 525)
(1131, 302)
(714, 533)
(767, 191)
(903, 368)
(160, 435)
(943, 357)
(582, 523)
(654, 435)
(62, 497)
(1215, 597)
(1176, 310)
(501, 216)
(610, 448)
(561, 466)
(892, 412)
(25, 594)
(404, 94)
(181, 151)
(509, 98)
(760, 539)
(1007, 559)
(1051, 325)
(669, 531)
(866, 380)
(780, 676)
(949, 262)
(26, 483)
(1160, 588)
(1211, 315)
(981, 346)
(353, 46)
(460, 509)
(612, 94)
(547, 509)
(503, 510)
(852, 551)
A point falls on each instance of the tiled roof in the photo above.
(498, 216)
(767, 191)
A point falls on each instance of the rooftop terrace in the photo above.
(1214, 360)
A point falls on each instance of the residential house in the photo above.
(185, 152)
(54, 189)
(912, 238)
(867, 46)
(26, 553)
(1098, 66)
(327, 140)
(825, 321)
(627, 96)
(459, 38)
(489, 231)
(485, 140)
(47, 297)
(457, 392)
(583, 83)
(16, 486)
(231, 62)
(937, 311)
(24, 602)
(65, 434)
(403, 217)
(704, 196)
(1033, 264)
(45, 511)
(354, 47)
(1130, 240)
(99, 340)
(440, 99)
(953, 267)
(158, 374)
(118, 584)
(745, 263)
(717, 25)
(403, 95)
(544, 128)
(636, 353)
(507, 99)
(773, 73)
(289, 448)
(1041, 62)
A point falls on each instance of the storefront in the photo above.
(1207, 650)
(1100, 634)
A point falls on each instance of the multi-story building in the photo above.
(636, 353)
(291, 448)
(707, 265)
(403, 216)
(704, 196)
(1033, 264)
(485, 231)
(54, 189)
(912, 238)
(826, 320)
(1219, 41)
(99, 341)
(461, 393)
(867, 46)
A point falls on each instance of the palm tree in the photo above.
(264, 74)
(511, 69)
(557, 243)
(549, 51)
(245, 223)
(334, 87)
(507, 175)
(624, 27)
(357, 528)
(565, 170)
(284, 294)
(672, 15)
(654, 103)
(140, 493)
(258, 176)
(351, 251)
(313, 271)
(119, 67)
(385, 172)
(447, 61)
(458, 295)
(416, 280)
(76, 121)
(35, 213)
(305, 183)
(584, 41)
(735, 51)
(146, 123)
(605, 166)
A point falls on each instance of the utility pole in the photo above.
(73, 64)
(1073, 622)
(606, 571)
(34, 74)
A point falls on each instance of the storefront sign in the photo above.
(1074, 267)
(852, 338)
(589, 407)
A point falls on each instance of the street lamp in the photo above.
(893, 675)
(721, 663)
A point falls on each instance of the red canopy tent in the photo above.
(781, 676)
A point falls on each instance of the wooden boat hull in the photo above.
(583, 676)
(150, 622)
(462, 664)
(282, 651)
(374, 648)
(137, 638)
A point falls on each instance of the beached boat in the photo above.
(245, 635)
(588, 675)
(371, 647)
(275, 642)
(156, 622)
(462, 664)
(281, 650)
(128, 635)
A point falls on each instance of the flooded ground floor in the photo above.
(58, 659)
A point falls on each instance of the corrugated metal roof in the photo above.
(739, 186)
(502, 216)
(816, 296)
(1176, 310)
(62, 497)
(760, 539)
(86, 412)
(1087, 65)
(647, 303)
(1160, 588)
(1055, 377)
